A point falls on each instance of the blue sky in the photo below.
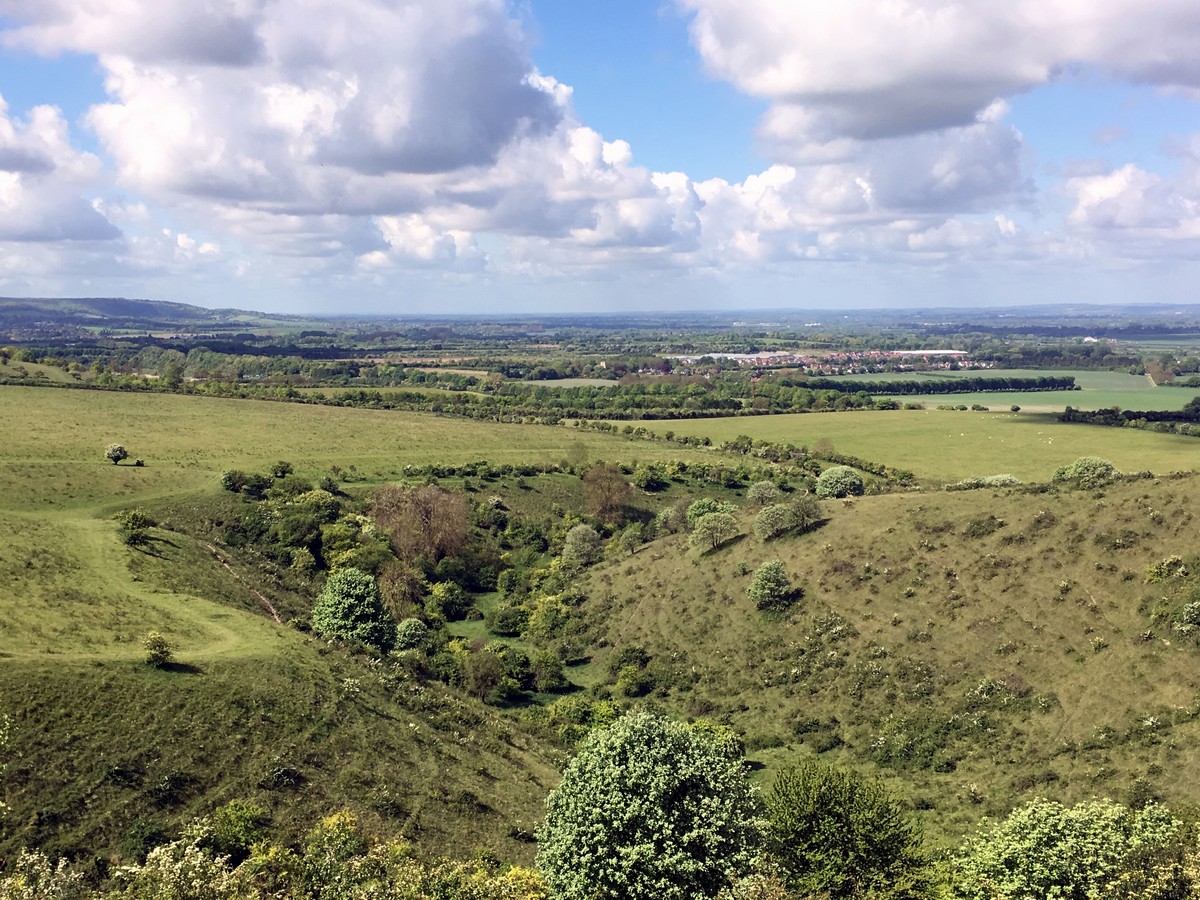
(482, 155)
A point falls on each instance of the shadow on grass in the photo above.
(146, 545)
(724, 545)
(180, 668)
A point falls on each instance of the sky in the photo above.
(530, 156)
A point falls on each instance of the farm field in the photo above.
(1098, 390)
(187, 442)
(948, 445)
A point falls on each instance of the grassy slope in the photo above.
(1042, 612)
(102, 743)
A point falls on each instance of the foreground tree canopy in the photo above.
(835, 833)
(649, 808)
(1094, 849)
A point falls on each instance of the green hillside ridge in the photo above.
(977, 648)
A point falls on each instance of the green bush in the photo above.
(1087, 472)
(582, 546)
(839, 481)
(447, 600)
(349, 608)
(158, 649)
(1044, 849)
(236, 827)
(837, 834)
(411, 634)
(648, 809)
(770, 588)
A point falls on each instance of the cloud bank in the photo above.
(351, 143)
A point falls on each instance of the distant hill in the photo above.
(32, 318)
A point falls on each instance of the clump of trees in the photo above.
(778, 519)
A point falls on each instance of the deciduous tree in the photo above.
(427, 521)
(606, 491)
(649, 809)
(349, 608)
(713, 530)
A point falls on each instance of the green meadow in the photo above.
(948, 445)
(1097, 390)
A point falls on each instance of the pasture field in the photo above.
(53, 455)
(948, 445)
(1098, 390)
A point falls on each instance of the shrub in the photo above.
(330, 849)
(233, 480)
(158, 649)
(985, 481)
(1171, 567)
(770, 588)
(183, 869)
(706, 506)
(763, 493)
(349, 608)
(837, 834)
(648, 809)
(447, 600)
(1044, 849)
(582, 546)
(839, 481)
(236, 827)
(713, 530)
(1087, 472)
(31, 877)
(411, 634)
(115, 453)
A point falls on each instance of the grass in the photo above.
(54, 453)
(106, 747)
(958, 656)
(947, 445)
